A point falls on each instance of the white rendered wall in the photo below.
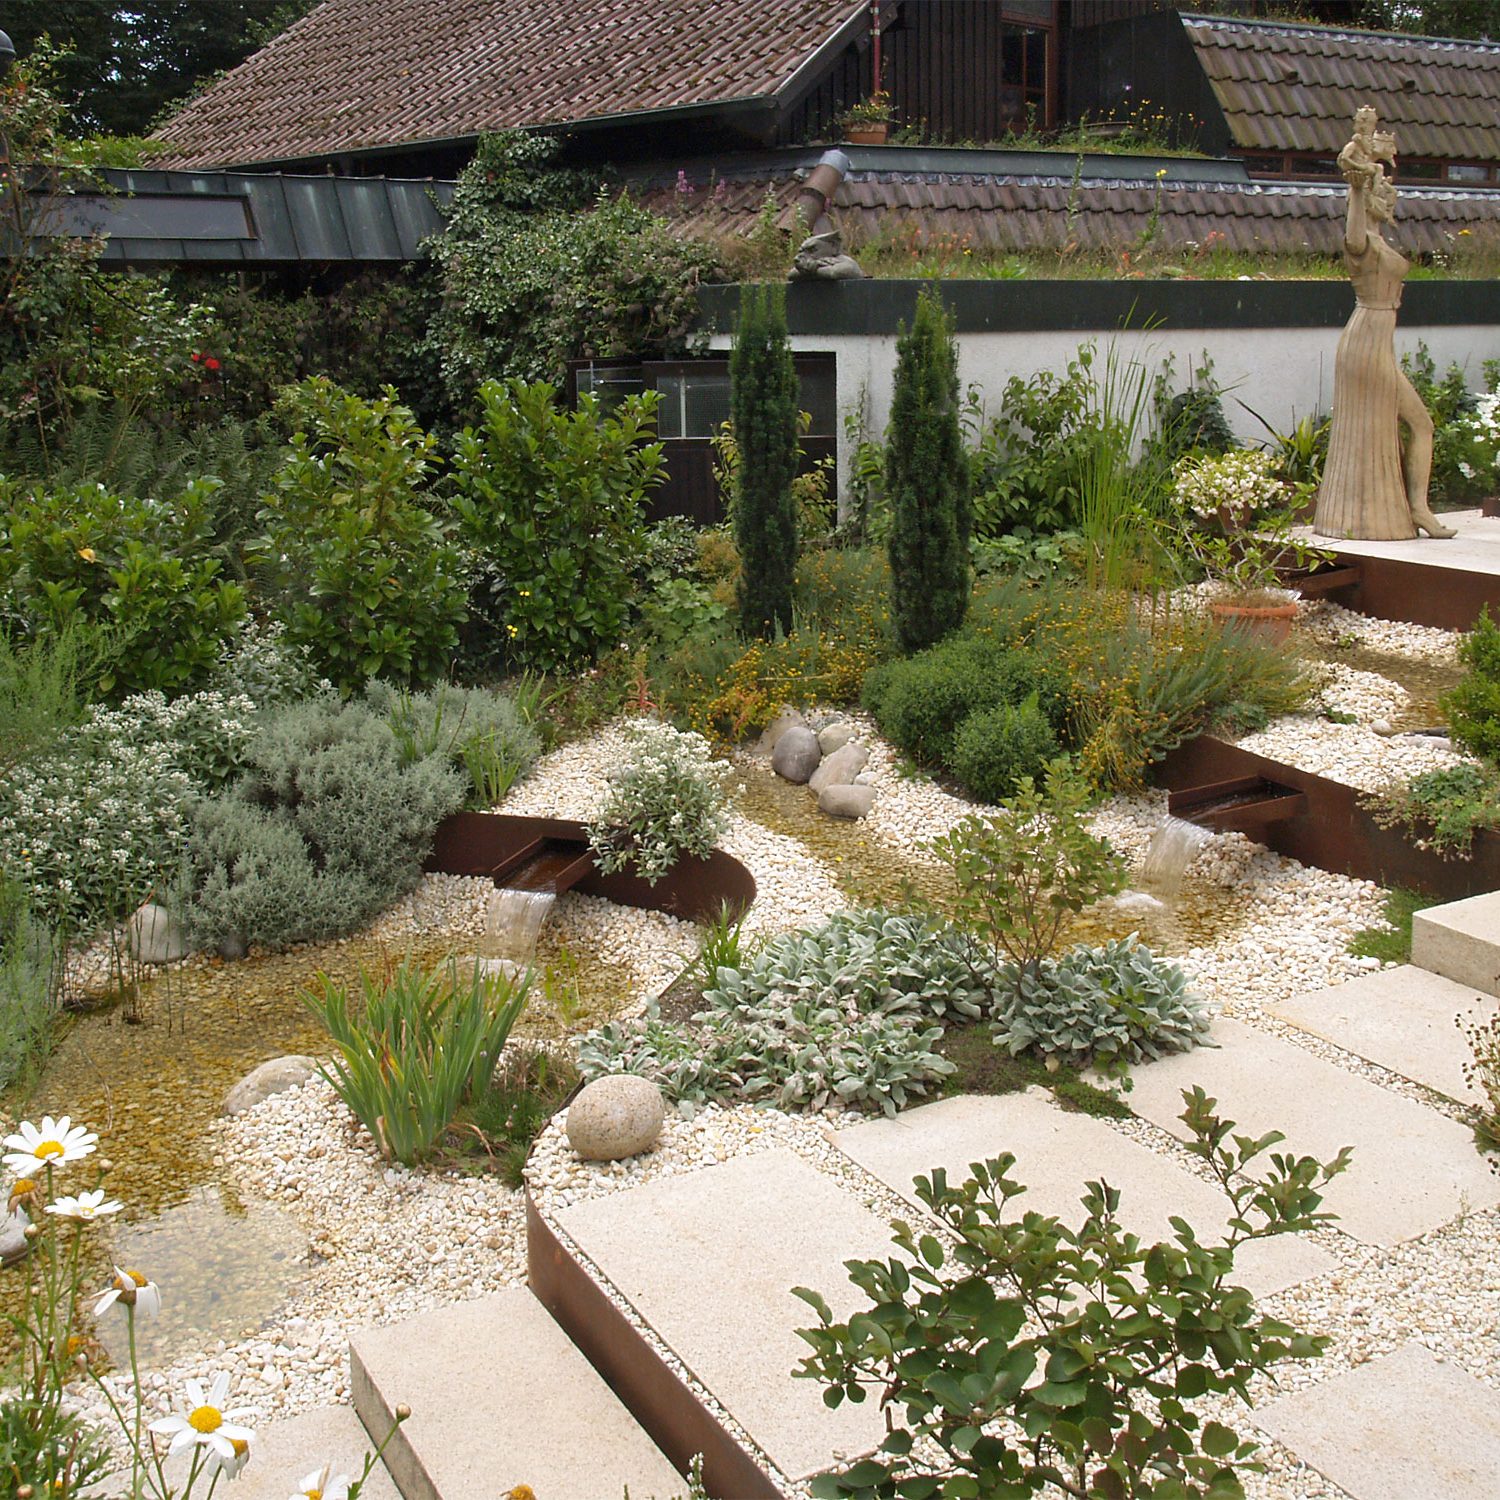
(1283, 373)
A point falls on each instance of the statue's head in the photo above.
(1364, 120)
(1382, 200)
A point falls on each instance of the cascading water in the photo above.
(513, 922)
(1173, 847)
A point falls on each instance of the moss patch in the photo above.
(1392, 944)
(984, 1068)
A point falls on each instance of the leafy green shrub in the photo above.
(1123, 1334)
(1191, 420)
(996, 747)
(325, 827)
(365, 573)
(1109, 1006)
(134, 567)
(1463, 449)
(920, 701)
(1019, 876)
(476, 728)
(763, 398)
(551, 503)
(43, 681)
(539, 266)
(1443, 808)
(835, 1014)
(95, 826)
(927, 479)
(416, 1048)
(31, 971)
(1473, 707)
(261, 664)
(873, 962)
(666, 802)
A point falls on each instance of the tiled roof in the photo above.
(1040, 213)
(361, 74)
(1284, 87)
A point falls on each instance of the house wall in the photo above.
(1272, 343)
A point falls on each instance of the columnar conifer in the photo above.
(927, 478)
(763, 406)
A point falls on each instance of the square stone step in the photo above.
(1405, 1019)
(708, 1260)
(287, 1451)
(500, 1397)
(1057, 1152)
(1413, 1169)
(1461, 941)
(1405, 1426)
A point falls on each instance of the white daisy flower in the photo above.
(318, 1486)
(230, 1467)
(204, 1422)
(57, 1141)
(84, 1206)
(130, 1289)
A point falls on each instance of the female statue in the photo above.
(1373, 487)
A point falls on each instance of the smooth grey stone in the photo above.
(786, 718)
(272, 1077)
(834, 736)
(796, 755)
(233, 947)
(846, 800)
(155, 936)
(615, 1117)
(840, 768)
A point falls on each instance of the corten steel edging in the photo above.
(676, 1421)
(1419, 593)
(1335, 833)
(472, 843)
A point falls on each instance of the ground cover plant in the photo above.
(1124, 1335)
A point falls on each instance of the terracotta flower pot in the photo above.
(1268, 622)
(868, 135)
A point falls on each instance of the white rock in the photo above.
(615, 1117)
(155, 936)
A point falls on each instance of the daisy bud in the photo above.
(403, 1412)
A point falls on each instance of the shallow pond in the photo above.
(1425, 681)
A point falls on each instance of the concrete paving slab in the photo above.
(1413, 1169)
(1405, 1019)
(500, 1397)
(1461, 941)
(1403, 1426)
(1056, 1153)
(286, 1451)
(1475, 548)
(709, 1260)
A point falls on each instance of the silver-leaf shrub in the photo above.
(1111, 1006)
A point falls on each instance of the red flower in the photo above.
(196, 358)
(210, 363)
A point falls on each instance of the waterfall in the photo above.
(1173, 848)
(513, 921)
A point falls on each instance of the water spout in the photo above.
(513, 923)
(1174, 846)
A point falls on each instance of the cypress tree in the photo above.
(927, 479)
(763, 407)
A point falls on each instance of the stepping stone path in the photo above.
(1413, 1169)
(709, 1259)
(1403, 1019)
(1406, 1427)
(1461, 941)
(1056, 1152)
(499, 1397)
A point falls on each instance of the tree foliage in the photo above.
(928, 481)
(763, 404)
(128, 63)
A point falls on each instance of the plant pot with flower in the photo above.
(868, 123)
(1235, 519)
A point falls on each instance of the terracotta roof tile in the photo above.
(361, 74)
(1285, 87)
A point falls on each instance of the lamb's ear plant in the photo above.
(1017, 1352)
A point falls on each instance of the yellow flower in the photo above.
(511, 629)
(86, 553)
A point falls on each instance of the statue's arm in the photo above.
(1356, 224)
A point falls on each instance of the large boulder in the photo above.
(796, 755)
(272, 1077)
(155, 936)
(786, 718)
(615, 1117)
(840, 768)
(846, 800)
